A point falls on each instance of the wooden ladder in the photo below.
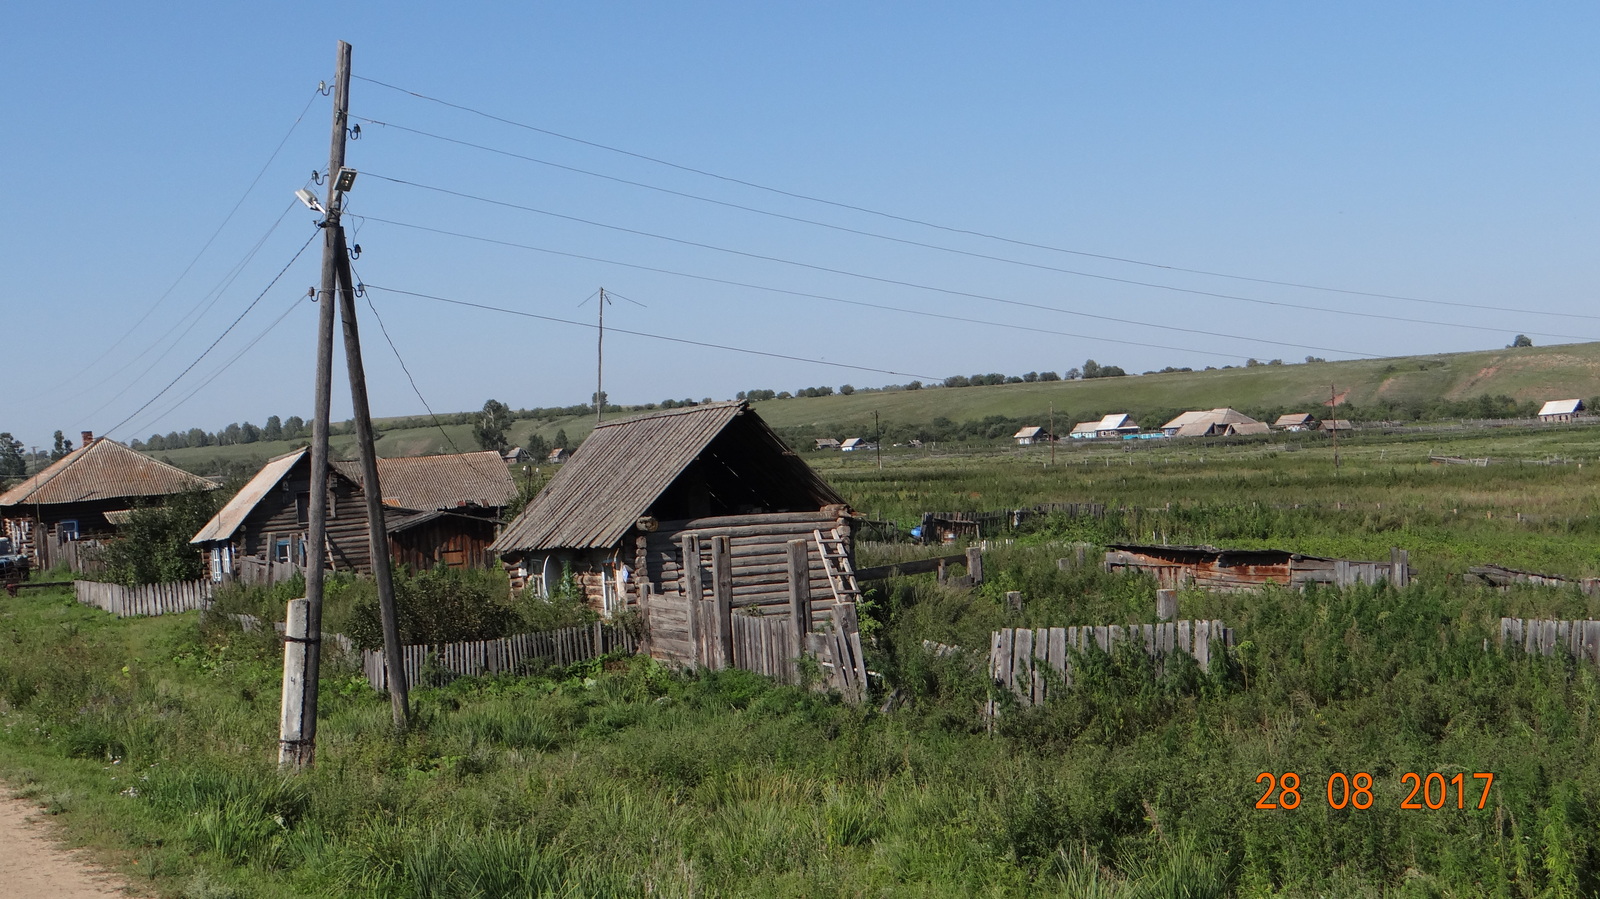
(836, 562)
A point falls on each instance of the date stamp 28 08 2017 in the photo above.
(1432, 791)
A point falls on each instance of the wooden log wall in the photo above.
(758, 559)
(1018, 657)
(150, 599)
(509, 655)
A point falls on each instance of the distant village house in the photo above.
(1561, 410)
(1296, 421)
(77, 496)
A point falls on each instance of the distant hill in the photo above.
(1527, 374)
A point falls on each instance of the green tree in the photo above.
(294, 427)
(1522, 340)
(62, 448)
(490, 428)
(154, 548)
(273, 429)
(12, 463)
(561, 440)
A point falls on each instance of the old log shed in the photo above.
(618, 514)
(1175, 567)
(1500, 576)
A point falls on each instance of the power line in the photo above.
(1002, 259)
(211, 377)
(362, 291)
(193, 317)
(679, 340)
(934, 225)
(874, 278)
(225, 332)
(813, 296)
(214, 234)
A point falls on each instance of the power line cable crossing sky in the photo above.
(789, 189)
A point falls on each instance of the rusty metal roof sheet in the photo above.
(223, 525)
(104, 469)
(625, 465)
(428, 483)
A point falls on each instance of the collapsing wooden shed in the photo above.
(1175, 567)
(643, 494)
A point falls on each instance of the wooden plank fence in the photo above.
(508, 655)
(1018, 657)
(1579, 639)
(149, 599)
(1498, 576)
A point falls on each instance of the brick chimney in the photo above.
(88, 438)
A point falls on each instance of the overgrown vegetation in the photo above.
(153, 739)
(153, 546)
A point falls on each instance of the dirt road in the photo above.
(33, 866)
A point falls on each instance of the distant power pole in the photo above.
(599, 363)
(877, 438)
(1052, 434)
(1333, 402)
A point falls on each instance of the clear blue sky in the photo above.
(1441, 151)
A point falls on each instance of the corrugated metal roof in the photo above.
(223, 525)
(1115, 421)
(428, 483)
(1186, 418)
(105, 469)
(1561, 407)
(1028, 432)
(624, 466)
(1086, 427)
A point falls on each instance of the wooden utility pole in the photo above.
(1333, 418)
(599, 363)
(297, 739)
(877, 439)
(1052, 435)
(377, 531)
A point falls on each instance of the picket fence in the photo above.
(149, 599)
(1018, 657)
(433, 665)
(1580, 639)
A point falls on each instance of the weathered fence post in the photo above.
(1166, 605)
(799, 594)
(1399, 567)
(722, 588)
(975, 565)
(292, 726)
(693, 592)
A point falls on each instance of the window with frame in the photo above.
(280, 550)
(67, 529)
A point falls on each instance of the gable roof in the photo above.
(1184, 419)
(223, 524)
(1117, 421)
(1292, 418)
(1031, 431)
(104, 469)
(624, 466)
(1561, 407)
(427, 483)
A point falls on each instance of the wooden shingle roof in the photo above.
(104, 469)
(624, 466)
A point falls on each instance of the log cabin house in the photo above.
(437, 510)
(72, 498)
(616, 517)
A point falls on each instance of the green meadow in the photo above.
(152, 741)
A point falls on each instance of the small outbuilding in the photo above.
(1177, 567)
(827, 443)
(558, 456)
(1561, 410)
(1336, 425)
(619, 518)
(1084, 430)
(851, 444)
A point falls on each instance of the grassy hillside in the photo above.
(1528, 373)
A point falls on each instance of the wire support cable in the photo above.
(645, 334)
(226, 331)
(783, 291)
(1126, 260)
